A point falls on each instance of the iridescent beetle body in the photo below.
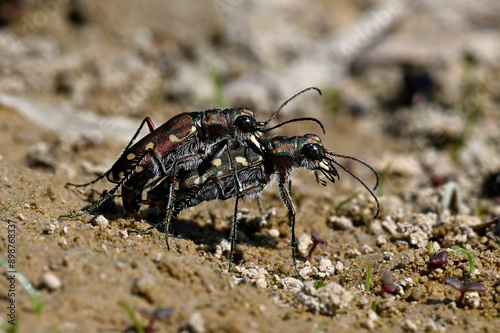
(182, 143)
(277, 157)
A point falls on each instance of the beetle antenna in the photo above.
(360, 161)
(294, 120)
(286, 102)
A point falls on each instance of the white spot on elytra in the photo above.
(130, 156)
(139, 169)
(174, 138)
(216, 162)
(241, 160)
(150, 145)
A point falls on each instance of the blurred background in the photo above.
(404, 83)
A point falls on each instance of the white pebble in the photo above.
(274, 233)
(196, 323)
(51, 281)
(100, 221)
(292, 284)
(303, 243)
(339, 267)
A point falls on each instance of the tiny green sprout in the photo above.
(374, 307)
(382, 177)
(480, 209)
(219, 99)
(137, 325)
(320, 327)
(37, 305)
(318, 285)
(432, 251)
(368, 277)
(472, 269)
(346, 201)
(9, 328)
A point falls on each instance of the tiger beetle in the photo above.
(181, 143)
(255, 168)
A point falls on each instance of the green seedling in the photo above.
(346, 201)
(472, 269)
(37, 305)
(368, 277)
(219, 99)
(8, 328)
(320, 327)
(137, 325)
(480, 209)
(472, 115)
(432, 251)
(318, 285)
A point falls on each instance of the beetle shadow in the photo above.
(207, 234)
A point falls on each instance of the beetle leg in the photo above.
(287, 199)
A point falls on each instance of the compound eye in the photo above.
(313, 151)
(246, 124)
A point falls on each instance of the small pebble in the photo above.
(100, 221)
(51, 281)
(147, 287)
(340, 222)
(274, 233)
(305, 271)
(291, 284)
(339, 267)
(195, 323)
(411, 326)
(325, 266)
(371, 318)
(303, 243)
(388, 256)
(223, 247)
(381, 240)
(367, 249)
(416, 294)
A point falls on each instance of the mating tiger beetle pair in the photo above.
(216, 154)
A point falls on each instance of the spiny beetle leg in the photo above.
(285, 196)
(234, 232)
(151, 128)
(89, 183)
(170, 200)
(98, 203)
(234, 224)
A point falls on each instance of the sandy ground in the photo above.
(417, 98)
